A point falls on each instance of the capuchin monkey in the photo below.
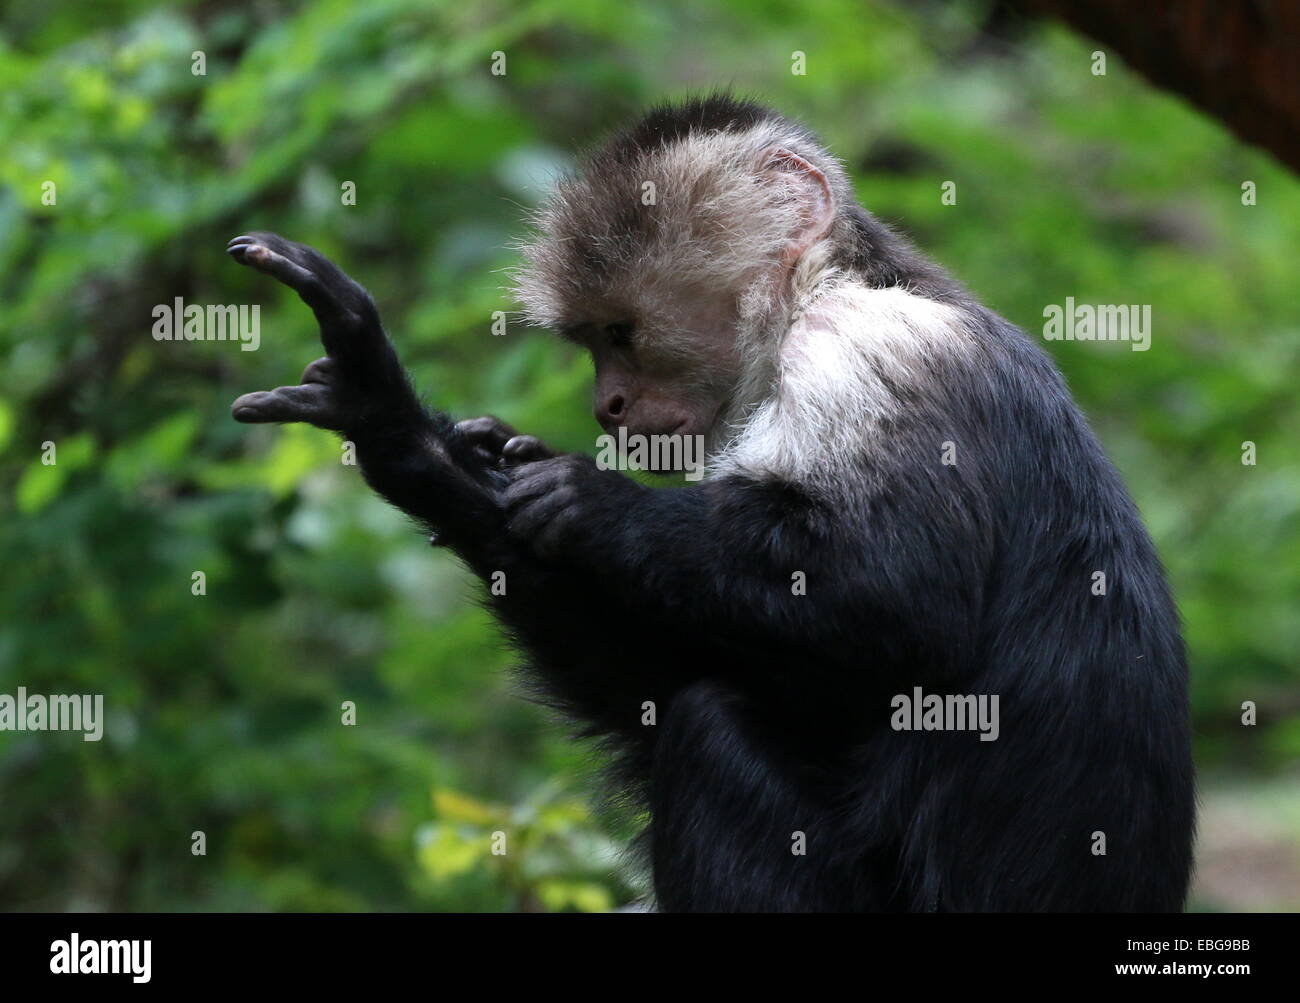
(865, 663)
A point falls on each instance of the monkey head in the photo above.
(676, 255)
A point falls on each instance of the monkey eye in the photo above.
(620, 335)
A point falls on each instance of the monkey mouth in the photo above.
(645, 432)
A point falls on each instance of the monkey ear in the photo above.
(812, 191)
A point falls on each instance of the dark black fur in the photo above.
(773, 709)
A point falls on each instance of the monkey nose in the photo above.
(610, 412)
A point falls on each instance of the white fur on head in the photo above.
(819, 350)
(716, 219)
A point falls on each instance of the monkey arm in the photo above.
(449, 476)
(753, 564)
(718, 771)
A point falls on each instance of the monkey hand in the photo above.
(500, 444)
(360, 370)
(560, 507)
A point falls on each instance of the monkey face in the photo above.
(665, 368)
(673, 259)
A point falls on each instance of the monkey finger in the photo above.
(255, 251)
(236, 246)
(323, 370)
(530, 518)
(524, 449)
(533, 481)
(314, 403)
(292, 274)
(489, 432)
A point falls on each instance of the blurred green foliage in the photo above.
(224, 709)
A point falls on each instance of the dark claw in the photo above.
(238, 246)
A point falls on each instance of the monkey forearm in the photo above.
(733, 559)
(754, 565)
(419, 462)
(685, 557)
